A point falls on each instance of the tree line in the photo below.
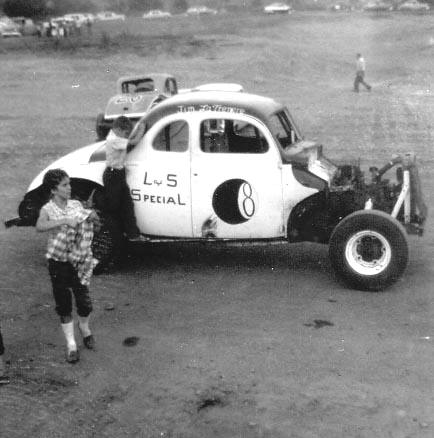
(43, 8)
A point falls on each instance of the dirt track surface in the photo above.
(231, 342)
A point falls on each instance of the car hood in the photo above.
(78, 164)
(309, 154)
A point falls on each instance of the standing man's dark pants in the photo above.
(360, 79)
(2, 347)
(118, 200)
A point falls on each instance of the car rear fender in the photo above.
(77, 165)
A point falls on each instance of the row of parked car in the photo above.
(409, 5)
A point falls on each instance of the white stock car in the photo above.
(135, 96)
(233, 167)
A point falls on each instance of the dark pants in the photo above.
(360, 79)
(2, 347)
(118, 200)
(64, 279)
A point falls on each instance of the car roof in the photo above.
(156, 77)
(222, 101)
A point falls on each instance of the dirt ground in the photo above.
(227, 342)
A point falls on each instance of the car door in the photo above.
(158, 173)
(236, 178)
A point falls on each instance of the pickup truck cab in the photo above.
(222, 166)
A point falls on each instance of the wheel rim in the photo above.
(368, 252)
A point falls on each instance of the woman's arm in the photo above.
(45, 224)
(136, 135)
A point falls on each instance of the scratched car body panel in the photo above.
(231, 166)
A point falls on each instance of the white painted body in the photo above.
(178, 194)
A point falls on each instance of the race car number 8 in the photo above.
(248, 204)
(234, 201)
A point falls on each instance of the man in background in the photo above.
(360, 73)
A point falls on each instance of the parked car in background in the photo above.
(378, 6)
(9, 32)
(90, 17)
(108, 16)
(277, 8)
(26, 26)
(156, 13)
(413, 6)
(201, 10)
(340, 7)
(79, 19)
(136, 95)
(8, 29)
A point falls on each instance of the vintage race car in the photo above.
(233, 167)
(135, 96)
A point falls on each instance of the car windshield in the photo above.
(138, 86)
(283, 128)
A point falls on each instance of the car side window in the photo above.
(231, 136)
(172, 138)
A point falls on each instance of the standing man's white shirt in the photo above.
(116, 150)
(360, 64)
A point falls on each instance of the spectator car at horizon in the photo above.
(413, 6)
(8, 29)
(26, 26)
(136, 95)
(156, 13)
(378, 6)
(341, 7)
(277, 8)
(90, 17)
(79, 18)
(109, 16)
(201, 10)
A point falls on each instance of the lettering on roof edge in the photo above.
(215, 107)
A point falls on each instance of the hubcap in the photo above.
(368, 252)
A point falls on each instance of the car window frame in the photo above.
(234, 116)
(155, 130)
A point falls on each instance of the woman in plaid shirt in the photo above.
(69, 254)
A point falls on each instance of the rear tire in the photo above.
(103, 244)
(369, 250)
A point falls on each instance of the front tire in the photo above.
(369, 250)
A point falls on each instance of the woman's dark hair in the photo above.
(52, 179)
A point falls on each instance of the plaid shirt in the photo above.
(74, 245)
